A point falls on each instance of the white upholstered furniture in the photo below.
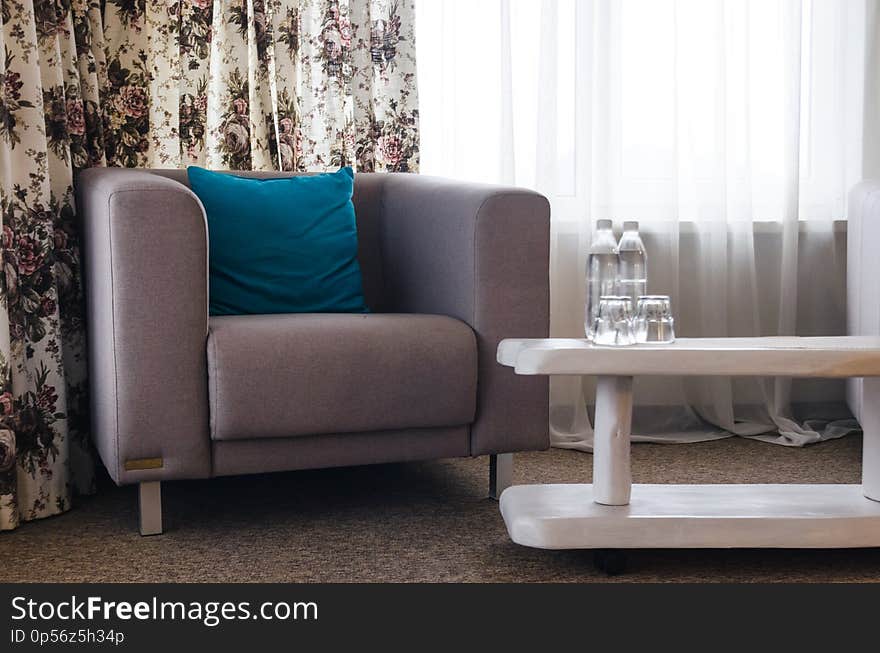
(862, 275)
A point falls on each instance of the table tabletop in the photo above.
(825, 357)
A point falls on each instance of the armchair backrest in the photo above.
(367, 205)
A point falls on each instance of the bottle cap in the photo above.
(603, 224)
(631, 225)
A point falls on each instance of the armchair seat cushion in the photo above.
(306, 374)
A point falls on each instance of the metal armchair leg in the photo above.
(150, 507)
(500, 473)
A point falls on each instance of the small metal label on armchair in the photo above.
(143, 463)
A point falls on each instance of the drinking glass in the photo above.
(653, 321)
(614, 323)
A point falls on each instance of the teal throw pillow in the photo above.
(281, 245)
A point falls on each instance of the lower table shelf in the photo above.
(693, 516)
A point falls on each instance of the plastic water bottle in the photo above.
(602, 269)
(632, 276)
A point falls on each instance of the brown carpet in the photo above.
(411, 522)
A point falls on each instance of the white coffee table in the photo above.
(614, 513)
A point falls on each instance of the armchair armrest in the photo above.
(478, 253)
(146, 261)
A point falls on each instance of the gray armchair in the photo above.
(449, 269)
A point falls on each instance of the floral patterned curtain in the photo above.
(261, 84)
(229, 84)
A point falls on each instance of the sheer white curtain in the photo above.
(732, 130)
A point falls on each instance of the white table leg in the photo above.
(871, 438)
(612, 478)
